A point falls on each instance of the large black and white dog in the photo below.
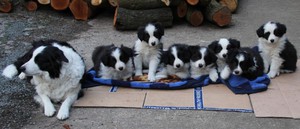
(279, 55)
(221, 48)
(111, 62)
(175, 61)
(244, 62)
(148, 49)
(203, 62)
(56, 69)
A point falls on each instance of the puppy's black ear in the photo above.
(165, 57)
(160, 28)
(105, 59)
(234, 43)
(193, 49)
(260, 31)
(231, 55)
(280, 30)
(128, 51)
(212, 55)
(212, 46)
(62, 57)
(141, 33)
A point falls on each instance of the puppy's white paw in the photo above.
(22, 76)
(138, 74)
(49, 110)
(213, 77)
(273, 74)
(63, 113)
(225, 75)
(151, 78)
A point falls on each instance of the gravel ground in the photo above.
(17, 30)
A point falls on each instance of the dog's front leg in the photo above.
(153, 64)
(213, 74)
(63, 112)
(225, 73)
(49, 109)
(276, 62)
(138, 64)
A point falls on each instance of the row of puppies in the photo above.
(225, 56)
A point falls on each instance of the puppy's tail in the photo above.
(10, 71)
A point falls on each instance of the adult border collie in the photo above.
(279, 55)
(203, 62)
(56, 70)
(176, 61)
(148, 49)
(111, 62)
(244, 62)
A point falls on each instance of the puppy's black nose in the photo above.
(121, 68)
(236, 72)
(200, 65)
(153, 43)
(272, 40)
(224, 55)
(178, 65)
(22, 69)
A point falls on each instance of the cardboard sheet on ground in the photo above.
(282, 99)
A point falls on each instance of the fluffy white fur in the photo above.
(182, 72)
(112, 73)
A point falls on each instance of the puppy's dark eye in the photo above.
(157, 35)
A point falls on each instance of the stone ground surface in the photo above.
(19, 28)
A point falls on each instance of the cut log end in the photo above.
(167, 2)
(231, 4)
(60, 4)
(31, 6)
(192, 2)
(5, 6)
(113, 3)
(182, 9)
(44, 2)
(79, 9)
(96, 2)
(222, 17)
(196, 18)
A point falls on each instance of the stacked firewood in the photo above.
(130, 14)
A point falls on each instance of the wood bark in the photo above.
(174, 3)
(126, 19)
(60, 4)
(31, 5)
(192, 2)
(141, 4)
(44, 2)
(218, 14)
(231, 4)
(5, 6)
(194, 16)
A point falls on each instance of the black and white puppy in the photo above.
(176, 61)
(245, 62)
(148, 49)
(111, 62)
(221, 48)
(56, 70)
(278, 53)
(203, 62)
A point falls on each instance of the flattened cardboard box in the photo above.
(213, 97)
(282, 99)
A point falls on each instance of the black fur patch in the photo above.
(182, 53)
(209, 56)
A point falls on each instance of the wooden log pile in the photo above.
(130, 14)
